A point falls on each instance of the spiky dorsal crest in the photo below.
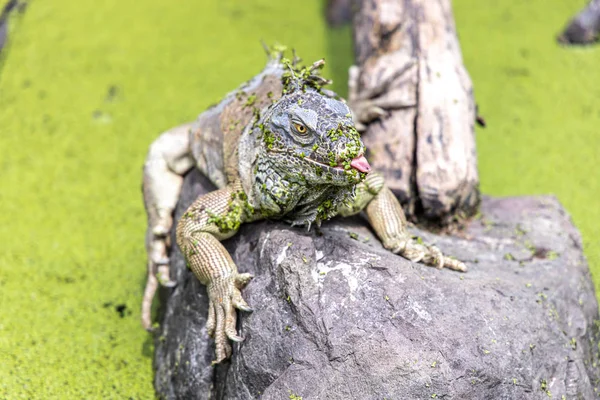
(297, 77)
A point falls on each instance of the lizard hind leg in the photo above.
(168, 159)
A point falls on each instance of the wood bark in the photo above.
(410, 65)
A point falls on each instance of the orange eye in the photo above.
(300, 128)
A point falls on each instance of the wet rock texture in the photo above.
(337, 316)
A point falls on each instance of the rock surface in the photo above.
(338, 317)
(583, 28)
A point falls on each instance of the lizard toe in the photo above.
(241, 280)
(211, 322)
(455, 265)
(230, 322)
(238, 302)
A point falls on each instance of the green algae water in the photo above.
(86, 86)
(542, 104)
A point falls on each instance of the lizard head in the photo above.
(306, 154)
(310, 133)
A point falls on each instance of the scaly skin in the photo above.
(198, 236)
(294, 155)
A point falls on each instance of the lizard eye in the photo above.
(300, 128)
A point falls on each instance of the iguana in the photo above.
(280, 147)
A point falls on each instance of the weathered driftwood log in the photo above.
(584, 28)
(415, 98)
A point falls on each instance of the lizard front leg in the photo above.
(213, 217)
(387, 219)
(168, 159)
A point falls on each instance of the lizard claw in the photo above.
(160, 231)
(163, 276)
(244, 307)
(437, 257)
(168, 284)
(455, 265)
(241, 280)
(427, 254)
(238, 302)
(161, 260)
(234, 337)
(224, 298)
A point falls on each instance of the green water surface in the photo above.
(86, 86)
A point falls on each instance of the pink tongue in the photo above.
(360, 163)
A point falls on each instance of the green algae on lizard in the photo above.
(268, 138)
(250, 100)
(302, 77)
(238, 210)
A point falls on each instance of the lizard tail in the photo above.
(151, 286)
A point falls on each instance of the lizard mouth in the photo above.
(338, 167)
(359, 163)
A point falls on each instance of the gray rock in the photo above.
(341, 318)
(583, 28)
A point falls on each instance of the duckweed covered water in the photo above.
(86, 86)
